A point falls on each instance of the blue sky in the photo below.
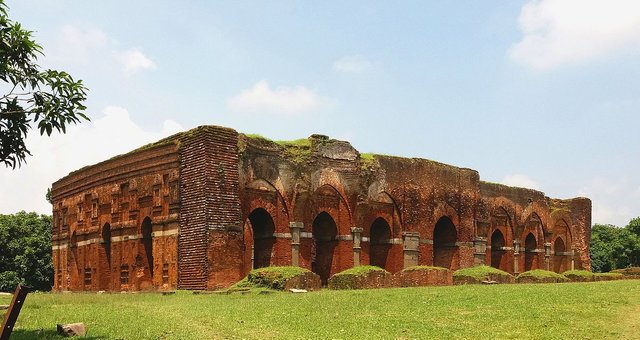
(542, 94)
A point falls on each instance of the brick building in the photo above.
(201, 208)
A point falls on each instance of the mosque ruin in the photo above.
(201, 208)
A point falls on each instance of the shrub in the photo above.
(481, 273)
(541, 276)
(579, 275)
(361, 277)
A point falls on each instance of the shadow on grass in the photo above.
(19, 334)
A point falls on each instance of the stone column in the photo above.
(479, 250)
(516, 257)
(357, 239)
(547, 255)
(573, 259)
(410, 241)
(295, 228)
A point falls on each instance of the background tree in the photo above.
(615, 248)
(49, 99)
(25, 251)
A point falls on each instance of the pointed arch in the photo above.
(530, 252)
(445, 248)
(380, 240)
(500, 240)
(324, 236)
(498, 254)
(562, 246)
(262, 229)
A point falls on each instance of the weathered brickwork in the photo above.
(198, 210)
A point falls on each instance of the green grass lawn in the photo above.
(592, 310)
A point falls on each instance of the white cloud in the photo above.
(90, 46)
(557, 32)
(354, 64)
(518, 180)
(134, 60)
(613, 200)
(286, 100)
(54, 157)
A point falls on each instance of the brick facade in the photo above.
(201, 208)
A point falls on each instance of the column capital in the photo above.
(356, 230)
(296, 225)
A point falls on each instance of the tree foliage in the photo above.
(48, 99)
(25, 256)
(614, 248)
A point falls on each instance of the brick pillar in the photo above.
(547, 255)
(480, 250)
(410, 241)
(357, 239)
(516, 257)
(296, 228)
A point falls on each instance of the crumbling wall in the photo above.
(98, 211)
(200, 209)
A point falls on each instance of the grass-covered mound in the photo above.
(281, 278)
(423, 276)
(541, 276)
(629, 273)
(579, 275)
(361, 277)
(607, 276)
(480, 274)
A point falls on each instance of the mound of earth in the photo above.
(541, 276)
(607, 276)
(361, 277)
(481, 274)
(423, 276)
(281, 278)
(579, 275)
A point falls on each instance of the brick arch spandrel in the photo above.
(445, 210)
(542, 211)
(384, 206)
(261, 193)
(331, 178)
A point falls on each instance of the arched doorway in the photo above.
(104, 268)
(497, 249)
(262, 230)
(445, 249)
(379, 243)
(324, 232)
(530, 255)
(144, 260)
(559, 258)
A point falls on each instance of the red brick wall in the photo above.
(199, 187)
(210, 241)
(119, 192)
